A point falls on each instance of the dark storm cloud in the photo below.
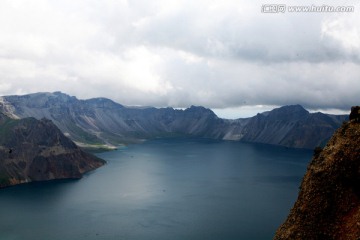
(218, 54)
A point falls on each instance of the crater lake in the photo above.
(182, 188)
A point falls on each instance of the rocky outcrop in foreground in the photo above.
(36, 150)
(328, 205)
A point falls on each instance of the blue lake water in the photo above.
(164, 189)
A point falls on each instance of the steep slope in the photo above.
(102, 122)
(328, 205)
(36, 150)
(273, 126)
(292, 126)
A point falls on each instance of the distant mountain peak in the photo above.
(46, 94)
(201, 109)
(103, 102)
(42, 98)
(294, 108)
(289, 112)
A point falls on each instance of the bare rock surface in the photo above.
(328, 205)
(100, 122)
(36, 150)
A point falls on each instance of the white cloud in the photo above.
(344, 32)
(219, 54)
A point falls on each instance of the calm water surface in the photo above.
(163, 189)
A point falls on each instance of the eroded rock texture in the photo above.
(328, 205)
(36, 150)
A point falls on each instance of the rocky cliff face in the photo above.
(36, 150)
(100, 121)
(292, 126)
(328, 205)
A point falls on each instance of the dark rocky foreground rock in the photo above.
(36, 150)
(328, 205)
(100, 122)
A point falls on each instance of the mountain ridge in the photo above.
(103, 122)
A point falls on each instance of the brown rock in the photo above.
(36, 150)
(328, 205)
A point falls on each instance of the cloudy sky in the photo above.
(222, 54)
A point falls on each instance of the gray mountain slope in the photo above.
(101, 121)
